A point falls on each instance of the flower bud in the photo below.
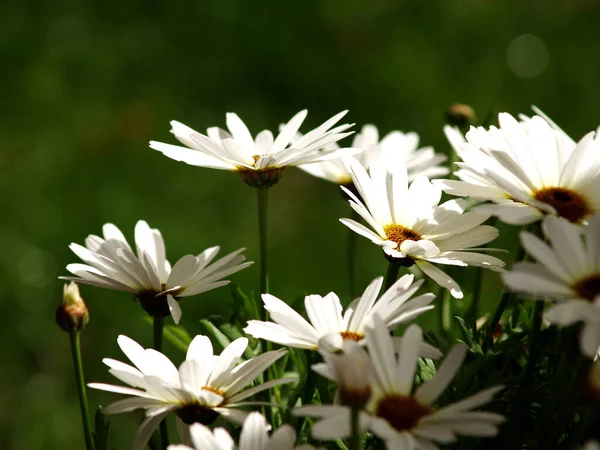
(72, 313)
(460, 115)
(592, 382)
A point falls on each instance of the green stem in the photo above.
(83, 403)
(352, 259)
(489, 337)
(157, 332)
(308, 390)
(157, 341)
(506, 297)
(524, 398)
(473, 311)
(355, 427)
(262, 235)
(392, 274)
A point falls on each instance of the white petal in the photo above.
(440, 278)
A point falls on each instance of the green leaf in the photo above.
(178, 336)
(244, 307)
(215, 334)
(468, 335)
(426, 369)
(100, 433)
(232, 333)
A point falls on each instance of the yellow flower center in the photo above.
(213, 390)
(399, 234)
(588, 288)
(351, 336)
(567, 203)
(401, 412)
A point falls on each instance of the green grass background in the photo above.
(85, 86)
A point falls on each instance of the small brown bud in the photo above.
(592, 382)
(460, 115)
(72, 313)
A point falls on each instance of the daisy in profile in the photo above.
(410, 225)
(260, 160)
(254, 436)
(402, 418)
(568, 271)
(111, 263)
(204, 387)
(328, 327)
(527, 170)
(418, 161)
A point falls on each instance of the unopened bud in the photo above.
(592, 382)
(460, 115)
(72, 313)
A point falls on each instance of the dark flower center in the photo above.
(194, 412)
(401, 412)
(588, 288)
(567, 203)
(153, 304)
(261, 177)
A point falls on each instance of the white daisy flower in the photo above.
(259, 161)
(527, 169)
(254, 436)
(403, 419)
(568, 271)
(328, 327)
(591, 445)
(205, 387)
(410, 225)
(418, 161)
(112, 264)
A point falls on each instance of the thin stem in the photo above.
(308, 389)
(489, 337)
(157, 332)
(352, 259)
(83, 403)
(262, 235)
(473, 311)
(355, 427)
(157, 341)
(392, 274)
(524, 397)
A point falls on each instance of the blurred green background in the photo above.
(86, 85)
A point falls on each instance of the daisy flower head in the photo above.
(260, 161)
(568, 271)
(111, 263)
(410, 225)
(405, 418)
(328, 327)
(527, 169)
(204, 387)
(254, 436)
(418, 161)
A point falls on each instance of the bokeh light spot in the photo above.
(527, 56)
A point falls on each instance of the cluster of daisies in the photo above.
(524, 171)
